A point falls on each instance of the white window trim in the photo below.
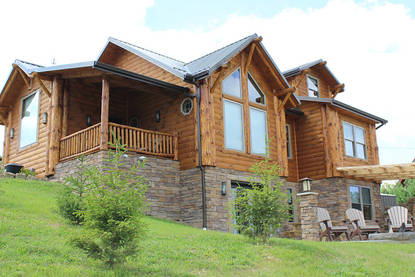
(243, 127)
(240, 84)
(318, 85)
(37, 116)
(372, 213)
(266, 130)
(289, 148)
(354, 141)
(249, 75)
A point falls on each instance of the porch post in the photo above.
(65, 109)
(6, 144)
(56, 124)
(104, 113)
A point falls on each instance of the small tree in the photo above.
(260, 211)
(113, 209)
(70, 200)
(402, 192)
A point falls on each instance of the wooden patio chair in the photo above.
(358, 222)
(397, 216)
(327, 228)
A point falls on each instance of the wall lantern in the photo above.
(45, 118)
(88, 120)
(306, 184)
(12, 133)
(157, 116)
(223, 188)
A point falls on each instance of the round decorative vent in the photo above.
(187, 106)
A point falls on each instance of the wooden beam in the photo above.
(284, 101)
(42, 85)
(219, 77)
(25, 78)
(251, 52)
(3, 119)
(105, 99)
(6, 144)
(337, 89)
(207, 126)
(65, 116)
(56, 124)
(285, 91)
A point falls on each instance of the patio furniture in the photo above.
(398, 215)
(358, 222)
(327, 228)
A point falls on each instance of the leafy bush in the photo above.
(403, 193)
(113, 209)
(260, 211)
(70, 200)
(27, 172)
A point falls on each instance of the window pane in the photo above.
(354, 194)
(347, 131)
(359, 135)
(254, 93)
(233, 125)
(348, 145)
(232, 84)
(312, 84)
(288, 140)
(258, 131)
(366, 196)
(29, 120)
(357, 206)
(360, 151)
(367, 212)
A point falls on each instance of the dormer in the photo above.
(314, 80)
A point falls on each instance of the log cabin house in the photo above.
(200, 125)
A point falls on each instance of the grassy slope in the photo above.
(33, 241)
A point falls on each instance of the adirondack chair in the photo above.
(397, 216)
(327, 228)
(360, 227)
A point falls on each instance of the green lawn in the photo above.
(33, 242)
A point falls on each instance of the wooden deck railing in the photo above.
(82, 142)
(145, 141)
(137, 140)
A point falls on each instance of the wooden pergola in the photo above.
(380, 172)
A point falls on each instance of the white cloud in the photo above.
(368, 46)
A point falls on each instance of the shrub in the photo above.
(403, 193)
(70, 200)
(113, 209)
(259, 212)
(27, 172)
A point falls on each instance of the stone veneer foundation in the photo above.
(177, 194)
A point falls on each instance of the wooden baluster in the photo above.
(141, 146)
(130, 139)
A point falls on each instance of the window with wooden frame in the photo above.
(288, 131)
(313, 86)
(361, 199)
(244, 106)
(354, 141)
(290, 198)
(29, 119)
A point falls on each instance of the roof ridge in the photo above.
(299, 67)
(126, 42)
(17, 60)
(220, 49)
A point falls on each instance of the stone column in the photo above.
(308, 202)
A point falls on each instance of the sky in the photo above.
(368, 44)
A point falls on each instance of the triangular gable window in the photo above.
(232, 84)
(255, 94)
(312, 84)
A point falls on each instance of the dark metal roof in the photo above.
(344, 106)
(297, 70)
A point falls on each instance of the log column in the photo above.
(56, 124)
(207, 128)
(6, 144)
(65, 109)
(105, 99)
(334, 137)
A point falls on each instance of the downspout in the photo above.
(202, 169)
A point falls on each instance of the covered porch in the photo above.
(95, 105)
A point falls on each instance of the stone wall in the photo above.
(334, 196)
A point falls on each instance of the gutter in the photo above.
(202, 169)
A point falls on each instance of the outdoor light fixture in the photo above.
(45, 118)
(88, 120)
(306, 184)
(158, 116)
(12, 133)
(223, 190)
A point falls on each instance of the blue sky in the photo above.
(185, 14)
